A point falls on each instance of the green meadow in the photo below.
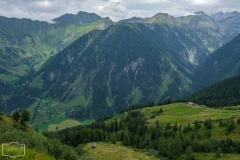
(109, 151)
(182, 114)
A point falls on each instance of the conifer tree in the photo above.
(218, 153)
(113, 138)
(189, 153)
(126, 139)
(25, 115)
(16, 116)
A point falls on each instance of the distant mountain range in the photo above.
(101, 72)
(229, 23)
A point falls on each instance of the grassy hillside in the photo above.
(182, 114)
(37, 146)
(29, 155)
(11, 131)
(109, 151)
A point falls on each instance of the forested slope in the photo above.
(224, 93)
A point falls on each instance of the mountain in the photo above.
(109, 70)
(130, 20)
(106, 71)
(201, 33)
(25, 44)
(221, 94)
(221, 64)
(78, 19)
(229, 23)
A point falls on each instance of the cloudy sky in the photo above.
(46, 10)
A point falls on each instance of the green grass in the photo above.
(8, 78)
(211, 156)
(180, 113)
(109, 103)
(64, 124)
(164, 88)
(78, 99)
(108, 151)
(137, 96)
(45, 126)
(37, 82)
(29, 154)
(12, 131)
(45, 112)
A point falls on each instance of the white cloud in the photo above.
(115, 9)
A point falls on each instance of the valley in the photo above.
(101, 72)
(136, 88)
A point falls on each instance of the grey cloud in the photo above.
(115, 9)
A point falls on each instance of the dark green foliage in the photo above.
(16, 116)
(230, 126)
(176, 147)
(36, 129)
(25, 115)
(208, 134)
(197, 125)
(238, 121)
(221, 94)
(208, 123)
(126, 139)
(113, 138)
(218, 152)
(13, 131)
(231, 150)
(189, 153)
(161, 110)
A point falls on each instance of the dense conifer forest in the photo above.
(221, 94)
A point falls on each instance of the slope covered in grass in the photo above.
(109, 151)
(182, 114)
(36, 144)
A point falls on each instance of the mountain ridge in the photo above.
(105, 71)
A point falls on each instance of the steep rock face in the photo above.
(221, 64)
(229, 23)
